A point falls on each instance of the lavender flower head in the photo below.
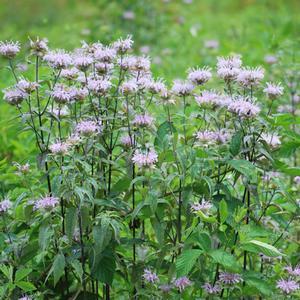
(26, 86)
(82, 61)
(208, 98)
(270, 59)
(88, 128)
(61, 94)
(203, 206)
(296, 179)
(230, 278)
(150, 276)
(143, 120)
(69, 74)
(199, 76)
(47, 202)
(248, 77)
(145, 159)
(229, 67)
(126, 141)
(123, 45)
(5, 205)
(182, 88)
(273, 90)
(141, 64)
(58, 59)
(293, 271)
(211, 289)
(165, 288)
(14, 96)
(129, 87)
(243, 107)
(25, 298)
(272, 140)
(99, 86)
(182, 283)
(287, 286)
(59, 148)
(39, 47)
(105, 54)
(9, 49)
(211, 44)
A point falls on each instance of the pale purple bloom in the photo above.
(272, 140)
(105, 54)
(123, 45)
(141, 63)
(297, 179)
(199, 75)
(165, 288)
(248, 77)
(129, 87)
(61, 94)
(270, 59)
(211, 289)
(78, 94)
(14, 96)
(9, 49)
(209, 137)
(73, 139)
(59, 148)
(145, 159)
(203, 206)
(145, 49)
(25, 298)
(126, 141)
(143, 120)
(5, 205)
(128, 15)
(39, 47)
(22, 169)
(69, 74)
(230, 278)
(244, 107)
(156, 87)
(229, 67)
(211, 44)
(208, 98)
(293, 271)
(126, 62)
(182, 283)
(287, 286)
(58, 59)
(88, 127)
(60, 112)
(150, 276)
(82, 61)
(46, 202)
(295, 98)
(103, 67)
(27, 86)
(273, 90)
(182, 88)
(99, 86)
(271, 175)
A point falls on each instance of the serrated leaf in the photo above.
(71, 221)
(225, 259)
(58, 267)
(186, 261)
(261, 247)
(26, 286)
(223, 210)
(21, 273)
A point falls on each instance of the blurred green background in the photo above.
(172, 32)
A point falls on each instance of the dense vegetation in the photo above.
(169, 177)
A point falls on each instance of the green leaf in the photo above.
(104, 266)
(244, 167)
(102, 235)
(206, 218)
(26, 286)
(21, 273)
(122, 185)
(78, 269)
(186, 261)
(163, 131)
(58, 267)
(261, 247)
(225, 259)
(204, 241)
(223, 211)
(71, 221)
(235, 144)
